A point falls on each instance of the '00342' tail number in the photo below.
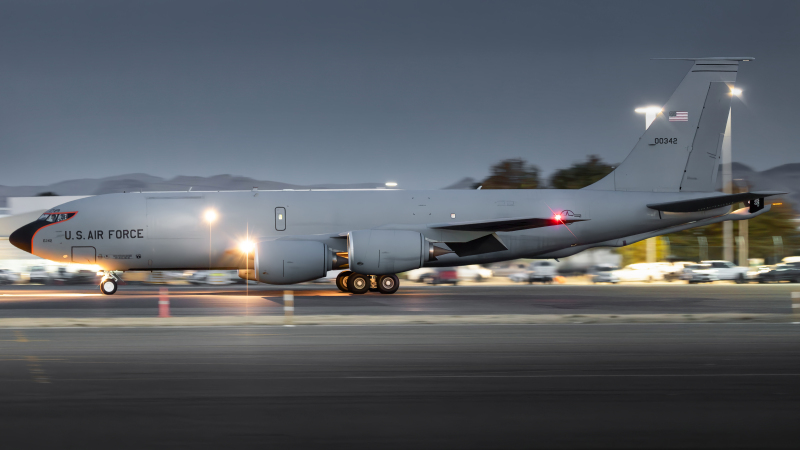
(665, 141)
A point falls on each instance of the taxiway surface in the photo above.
(401, 387)
(657, 298)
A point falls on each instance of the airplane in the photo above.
(666, 184)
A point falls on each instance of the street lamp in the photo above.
(210, 216)
(650, 113)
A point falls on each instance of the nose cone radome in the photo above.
(22, 237)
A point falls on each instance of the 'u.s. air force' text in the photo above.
(101, 234)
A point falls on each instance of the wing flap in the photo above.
(706, 203)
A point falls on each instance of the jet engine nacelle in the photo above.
(382, 252)
(288, 262)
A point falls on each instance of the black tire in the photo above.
(341, 280)
(388, 284)
(108, 286)
(478, 278)
(739, 279)
(358, 284)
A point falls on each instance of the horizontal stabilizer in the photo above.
(513, 224)
(706, 203)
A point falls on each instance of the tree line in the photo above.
(772, 235)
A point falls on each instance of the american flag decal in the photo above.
(678, 116)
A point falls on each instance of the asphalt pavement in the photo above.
(401, 387)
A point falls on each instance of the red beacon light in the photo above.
(557, 217)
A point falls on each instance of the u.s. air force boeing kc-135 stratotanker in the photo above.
(666, 184)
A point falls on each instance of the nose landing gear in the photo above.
(108, 284)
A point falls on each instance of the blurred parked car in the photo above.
(640, 272)
(508, 268)
(782, 272)
(673, 271)
(473, 272)
(605, 273)
(537, 271)
(442, 275)
(699, 273)
(38, 274)
(726, 270)
(8, 277)
(418, 274)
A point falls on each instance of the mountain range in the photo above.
(784, 178)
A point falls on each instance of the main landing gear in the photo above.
(356, 283)
(108, 284)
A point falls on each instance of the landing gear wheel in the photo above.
(108, 286)
(357, 283)
(388, 284)
(341, 280)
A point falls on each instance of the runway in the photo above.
(186, 301)
(401, 387)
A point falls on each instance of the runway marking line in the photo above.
(696, 375)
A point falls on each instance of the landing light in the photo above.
(247, 246)
(391, 184)
(736, 92)
(210, 215)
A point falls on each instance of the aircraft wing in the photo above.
(512, 224)
(706, 203)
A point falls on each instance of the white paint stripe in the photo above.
(676, 375)
(51, 295)
(288, 308)
(795, 294)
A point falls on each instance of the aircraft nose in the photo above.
(22, 237)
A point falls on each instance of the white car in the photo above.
(699, 273)
(417, 275)
(473, 272)
(38, 274)
(538, 271)
(726, 270)
(605, 273)
(8, 277)
(640, 272)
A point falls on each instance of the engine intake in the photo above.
(288, 262)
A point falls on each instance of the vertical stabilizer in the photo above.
(680, 150)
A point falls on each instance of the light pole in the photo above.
(650, 113)
(210, 216)
(727, 183)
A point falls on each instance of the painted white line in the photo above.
(677, 375)
(51, 295)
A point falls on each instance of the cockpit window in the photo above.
(56, 217)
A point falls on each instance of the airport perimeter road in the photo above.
(142, 300)
(403, 387)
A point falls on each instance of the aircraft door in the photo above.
(84, 255)
(280, 219)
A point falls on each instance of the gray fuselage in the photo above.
(170, 230)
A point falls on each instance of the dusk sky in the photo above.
(422, 93)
